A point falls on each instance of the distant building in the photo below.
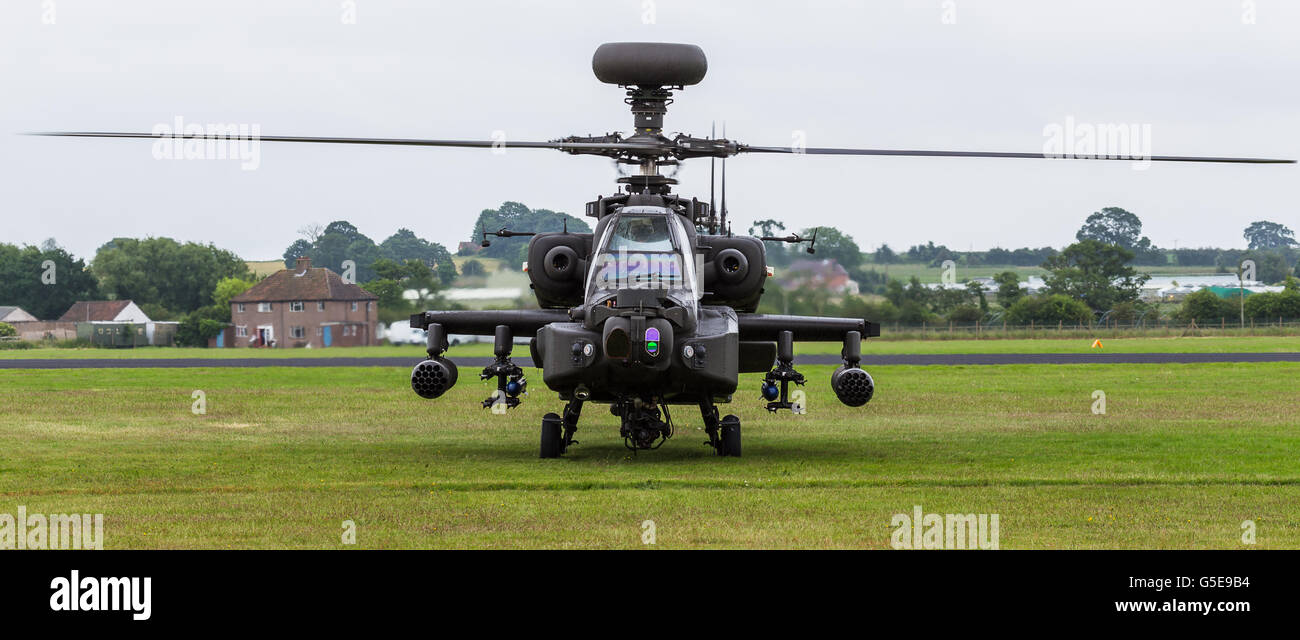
(112, 323)
(304, 306)
(826, 275)
(104, 311)
(15, 314)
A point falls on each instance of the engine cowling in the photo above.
(556, 265)
(735, 270)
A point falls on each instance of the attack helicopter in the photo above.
(656, 307)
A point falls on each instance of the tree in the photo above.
(387, 269)
(405, 245)
(930, 253)
(1009, 290)
(311, 231)
(44, 282)
(300, 248)
(180, 277)
(1116, 226)
(1263, 234)
(198, 326)
(392, 305)
(1047, 310)
(1269, 267)
(472, 268)
(885, 255)
(1272, 306)
(339, 242)
(517, 217)
(1204, 306)
(228, 288)
(977, 290)
(1095, 272)
(769, 228)
(836, 245)
(778, 254)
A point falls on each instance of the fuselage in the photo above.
(642, 332)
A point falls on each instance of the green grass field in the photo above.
(1214, 344)
(1183, 455)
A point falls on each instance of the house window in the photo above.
(241, 331)
(354, 305)
(296, 306)
(297, 332)
(241, 307)
(263, 307)
(320, 306)
(368, 306)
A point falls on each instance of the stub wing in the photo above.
(767, 327)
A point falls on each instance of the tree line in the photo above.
(1093, 278)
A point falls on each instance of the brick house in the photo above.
(304, 306)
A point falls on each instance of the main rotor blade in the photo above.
(994, 154)
(414, 142)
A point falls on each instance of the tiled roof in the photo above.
(307, 283)
(94, 311)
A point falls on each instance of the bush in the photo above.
(472, 268)
(1132, 312)
(198, 326)
(1044, 310)
(965, 313)
(1271, 306)
(1204, 306)
(7, 330)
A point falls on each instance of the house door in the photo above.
(326, 335)
(264, 336)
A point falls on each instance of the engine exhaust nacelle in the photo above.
(433, 377)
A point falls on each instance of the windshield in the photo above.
(640, 233)
(644, 252)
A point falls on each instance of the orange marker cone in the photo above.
(1096, 344)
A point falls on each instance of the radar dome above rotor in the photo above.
(649, 64)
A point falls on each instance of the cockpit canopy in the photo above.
(645, 248)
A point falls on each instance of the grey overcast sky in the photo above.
(1210, 77)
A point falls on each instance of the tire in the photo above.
(730, 436)
(552, 441)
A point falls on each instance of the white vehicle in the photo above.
(401, 333)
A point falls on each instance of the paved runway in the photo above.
(867, 360)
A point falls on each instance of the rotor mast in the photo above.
(649, 104)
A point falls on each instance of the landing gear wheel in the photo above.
(729, 442)
(552, 441)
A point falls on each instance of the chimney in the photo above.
(303, 263)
